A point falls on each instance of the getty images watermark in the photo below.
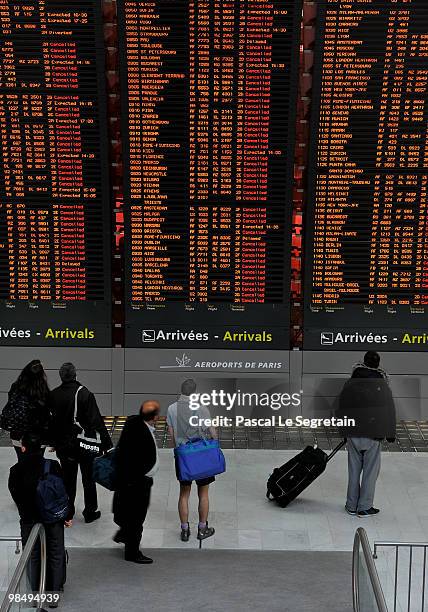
(237, 400)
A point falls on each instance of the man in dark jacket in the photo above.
(64, 433)
(137, 462)
(23, 481)
(367, 399)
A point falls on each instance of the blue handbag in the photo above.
(199, 459)
(104, 470)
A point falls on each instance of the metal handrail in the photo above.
(377, 545)
(16, 539)
(37, 532)
(361, 541)
(411, 546)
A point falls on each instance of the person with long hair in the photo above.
(26, 410)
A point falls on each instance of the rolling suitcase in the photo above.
(288, 481)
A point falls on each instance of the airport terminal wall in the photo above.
(122, 378)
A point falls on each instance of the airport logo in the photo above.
(183, 361)
(327, 338)
(148, 335)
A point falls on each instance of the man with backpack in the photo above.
(367, 399)
(78, 434)
(38, 490)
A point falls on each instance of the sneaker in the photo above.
(185, 534)
(351, 512)
(90, 518)
(369, 512)
(205, 532)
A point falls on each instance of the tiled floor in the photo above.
(412, 436)
(243, 517)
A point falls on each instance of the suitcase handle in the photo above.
(336, 450)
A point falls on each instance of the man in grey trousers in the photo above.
(367, 398)
(363, 458)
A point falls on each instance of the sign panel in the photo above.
(209, 95)
(54, 190)
(367, 241)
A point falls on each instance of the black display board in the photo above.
(208, 104)
(54, 188)
(366, 268)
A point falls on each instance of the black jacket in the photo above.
(135, 452)
(367, 398)
(23, 479)
(61, 406)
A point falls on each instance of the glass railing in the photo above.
(26, 590)
(366, 588)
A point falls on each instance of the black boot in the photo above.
(137, 557)
(91, 517)
(118, 537)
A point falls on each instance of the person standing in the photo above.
(366, 398)
(137, 462)
(181, 431)
(23, 481)
(26, 409)
(64, 431)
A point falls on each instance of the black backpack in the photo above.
(51, 496)
(17, 414)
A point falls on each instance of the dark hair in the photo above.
(67, 372)
(32, 443)
(32, 382)
(188, 387)
(372, 359)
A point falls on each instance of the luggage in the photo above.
(51, 496)
(198, 459)
(288, 481)
(104, 470)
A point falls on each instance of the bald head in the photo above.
(150, 410)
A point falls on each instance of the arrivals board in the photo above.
(209, 93)
(367, 243)
(54, 190)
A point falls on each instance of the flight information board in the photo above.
(209, 94)
(367, 248)
(54, 190)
